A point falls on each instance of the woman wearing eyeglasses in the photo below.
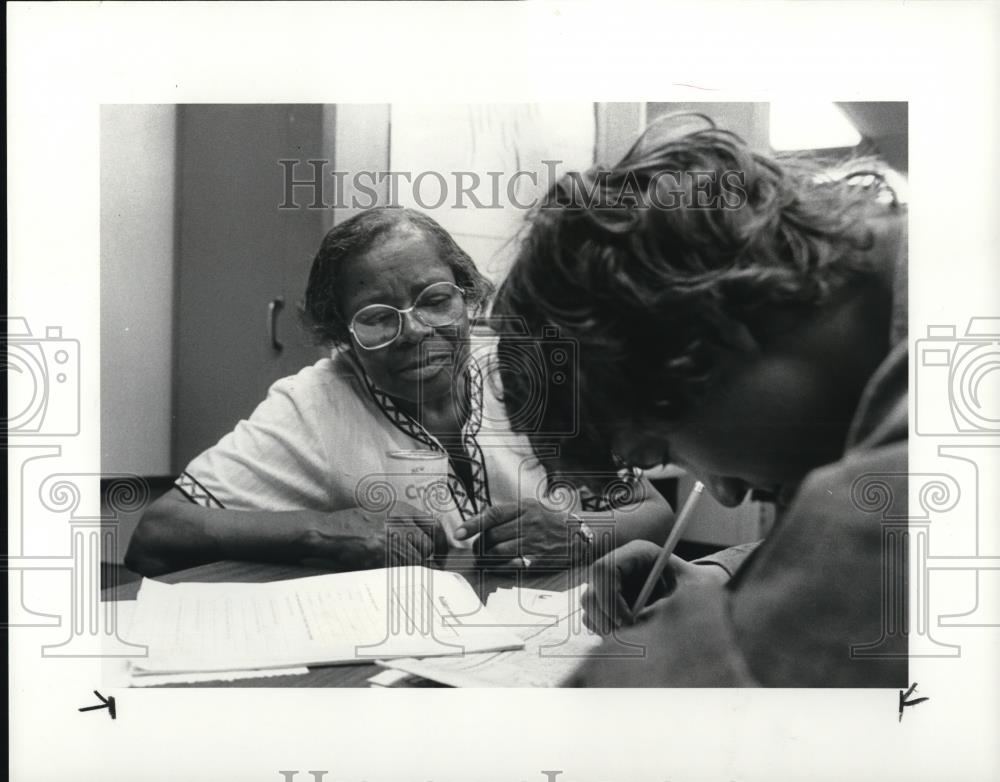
(302, 479)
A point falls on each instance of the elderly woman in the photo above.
(391, 293)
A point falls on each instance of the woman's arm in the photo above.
(175, 533)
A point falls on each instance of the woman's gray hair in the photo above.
(358, 235)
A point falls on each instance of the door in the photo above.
(242, 263)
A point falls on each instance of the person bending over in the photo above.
(744, 317)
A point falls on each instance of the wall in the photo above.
(137, 286)
(479, 139)
(716, 525)
(749, 120)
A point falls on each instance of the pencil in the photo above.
(668, 548)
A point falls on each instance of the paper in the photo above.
(343, 617)
(389, 678)
(549, 623)
(526, 606)
(166, 679)
(117, 671)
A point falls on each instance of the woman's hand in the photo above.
(360, 540)
(615, 580)
(528, 531)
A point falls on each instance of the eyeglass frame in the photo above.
(402, 313)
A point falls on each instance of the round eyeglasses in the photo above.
(378, 325)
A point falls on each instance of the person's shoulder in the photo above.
(888, 252)
(882, 415)
(483, 339)
(844, 494)
(330, 379)
(877, 447)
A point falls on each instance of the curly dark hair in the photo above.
(356, 236)
(654, 265)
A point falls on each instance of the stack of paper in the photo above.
(119, 671)
(337, 618)
(551, 627)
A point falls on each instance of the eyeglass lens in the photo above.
(439, 304)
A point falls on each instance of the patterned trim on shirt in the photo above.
(195, 492)
(619, 492)
(467, 506)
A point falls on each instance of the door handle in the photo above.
(273, 308)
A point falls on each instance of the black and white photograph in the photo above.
(382, 418)
(515, 368)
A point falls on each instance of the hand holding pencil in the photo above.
(668, 548)
(625, 581)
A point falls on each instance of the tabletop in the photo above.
(483, 581)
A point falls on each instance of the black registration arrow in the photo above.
(106, 703)
(904, 702)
